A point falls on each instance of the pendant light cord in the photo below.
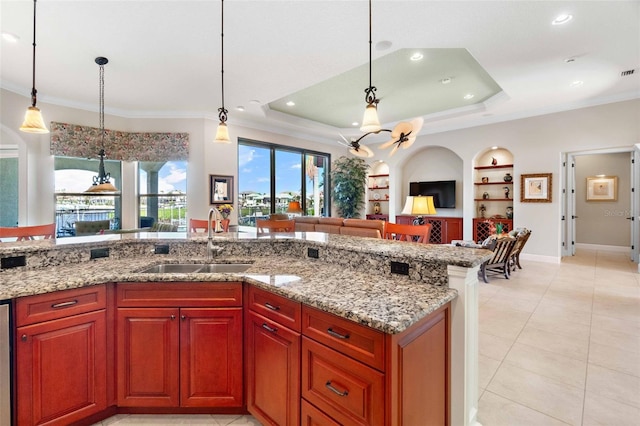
(101, 103)
(222, 112)
(370, 92)
(33, 85)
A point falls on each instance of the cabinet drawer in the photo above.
(341, 387)
(362, 343)
(59, 304)
(277, 308)
(184, 294)
(311, 416)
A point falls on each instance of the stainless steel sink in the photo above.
(224, 267)
(189, 268)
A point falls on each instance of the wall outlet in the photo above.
(313, 252)
(100, 252)
(13, 262)
(161, 249)
(399, 268)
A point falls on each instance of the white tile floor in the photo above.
(559, 344)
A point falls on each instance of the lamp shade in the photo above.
(370, 121)
(419, 205)
(294, 207)
(102, 187)
(222, 134)
(33, 122)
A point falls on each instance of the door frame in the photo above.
(568, 199)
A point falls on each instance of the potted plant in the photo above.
(348, 182)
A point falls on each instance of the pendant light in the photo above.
(33, 122)
(370, 121)
(222, 133)
(102, 182)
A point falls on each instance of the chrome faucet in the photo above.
(217, 228)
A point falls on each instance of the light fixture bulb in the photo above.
(370, 121)
(33, 122)
(222, 133)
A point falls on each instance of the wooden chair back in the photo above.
(405, 232)
(275, 225)
(24, 233)
(198, 225)
(499, 263)
(521, 240)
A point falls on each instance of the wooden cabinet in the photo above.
(61, 346)
(272, 344)
(482, 227)
(493, 194)
(352, 374)
(176, 348)
(443, 229)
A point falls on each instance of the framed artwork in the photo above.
(220, 189)
(535, 188)
(602, 188)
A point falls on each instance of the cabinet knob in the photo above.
(183, 317)
(172, 317)
(23, 337)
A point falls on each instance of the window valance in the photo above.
(72, 140)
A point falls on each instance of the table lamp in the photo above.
(294, 207)
(418, 206)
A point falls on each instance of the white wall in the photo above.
(537, 144)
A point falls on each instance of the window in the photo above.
(73, 176)
(271, 176)
(9, 185)
(162, 193)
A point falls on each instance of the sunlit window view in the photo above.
(283, 180)
(163, 195)
(73, 205)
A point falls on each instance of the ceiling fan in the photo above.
(403, 134)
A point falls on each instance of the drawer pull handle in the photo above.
(269, 329)
(337, 335)
(270, 306)
(336, 391)
(64, 304)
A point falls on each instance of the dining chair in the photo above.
(200, 225)
(411, 233)
(24, 233)
(275, 225)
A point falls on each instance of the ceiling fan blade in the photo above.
(367, 150)
(416, 124)
(388, 143)
(393, 151)
(359, 152)
(410, 140)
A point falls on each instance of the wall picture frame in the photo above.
(602, 188)
(220, 189)
(536, 188)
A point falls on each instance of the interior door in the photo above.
(634, 213)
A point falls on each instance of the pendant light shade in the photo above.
(102, 182)
(33, 122)
(370, 121)
(222, 133)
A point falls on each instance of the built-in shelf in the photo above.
(378, 187)
(380, 200)
(500, 166)
(491, 199)
(493, 183)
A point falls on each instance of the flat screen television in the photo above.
(442, 191)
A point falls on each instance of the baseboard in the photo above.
(540, 258)
(619, 249)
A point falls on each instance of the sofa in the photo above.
(336, 225)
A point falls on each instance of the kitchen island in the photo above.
(347, 277)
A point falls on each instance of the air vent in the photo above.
(627, 73)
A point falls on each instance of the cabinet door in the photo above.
(61, 369)
(273, 372)
(147, 361)
(211, 357)
(453, 229)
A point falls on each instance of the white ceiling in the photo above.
(164, 58)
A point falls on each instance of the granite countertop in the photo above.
(355, 289)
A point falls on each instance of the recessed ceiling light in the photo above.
(10, 37)
(416, 56)
(383, 45)
(240, 108)
(291, 103)
(562, 19)
(355, 123)
(446, 80)
(577, 83)
(469, 96)
(494, 147)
